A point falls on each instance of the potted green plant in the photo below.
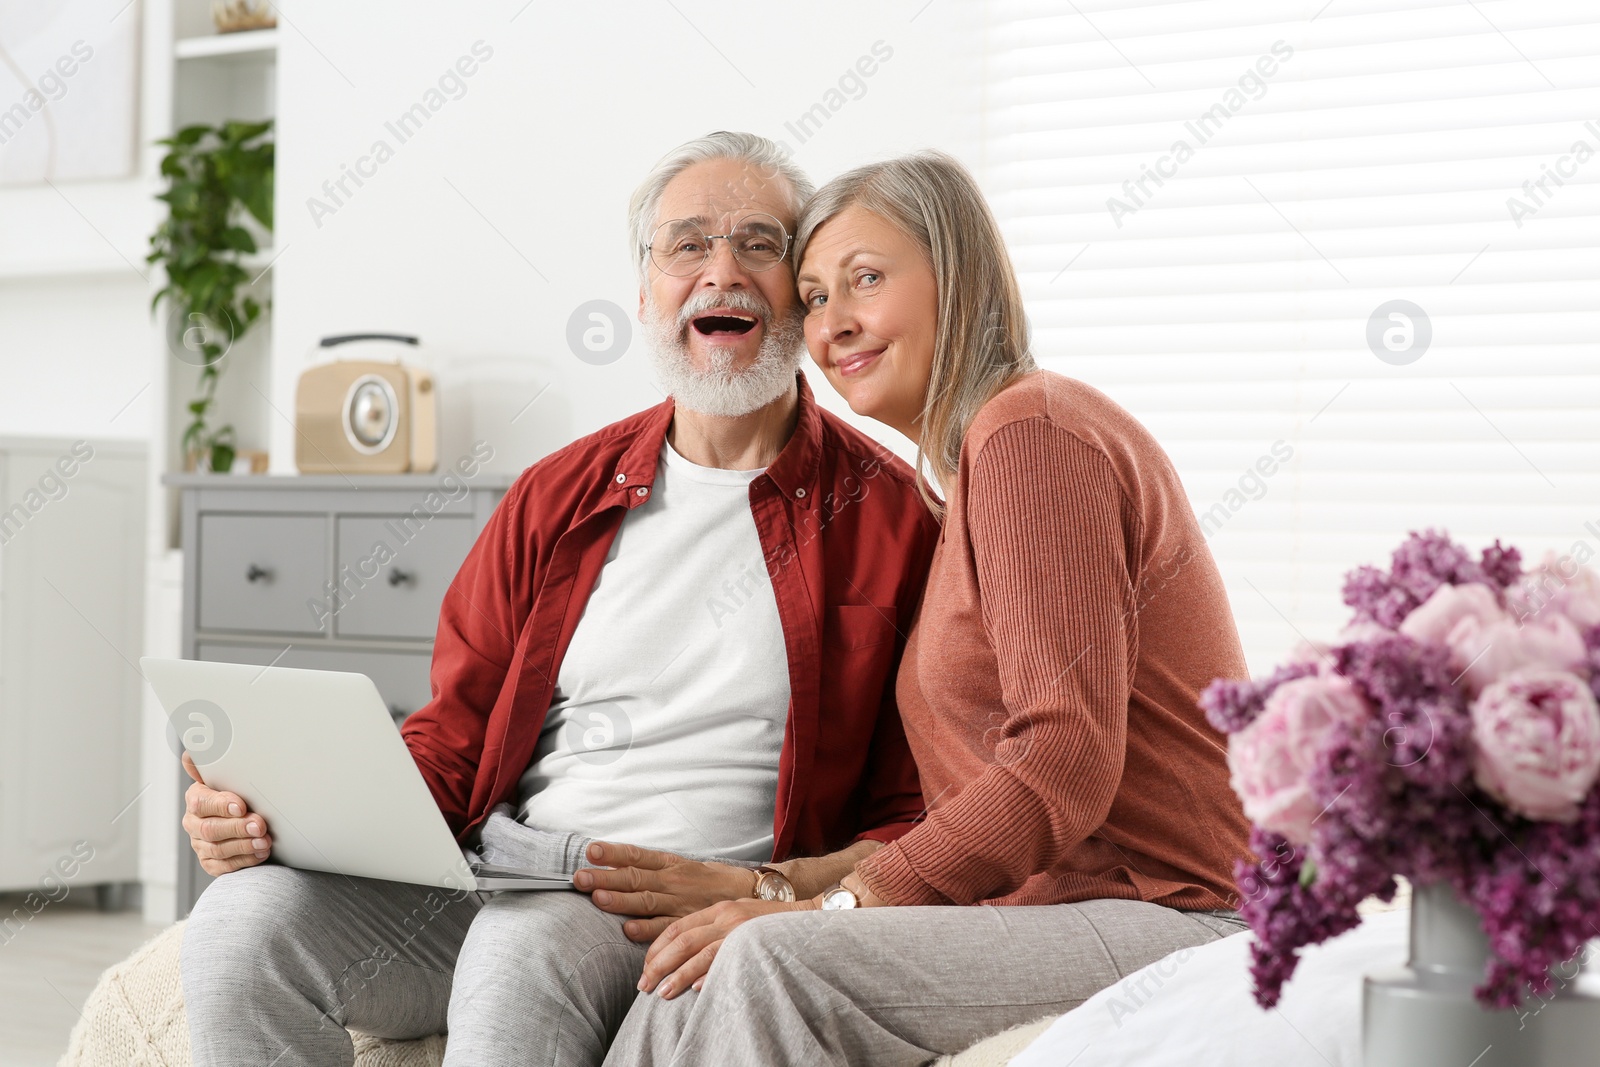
(216, 176)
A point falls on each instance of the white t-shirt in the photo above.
(668, 716)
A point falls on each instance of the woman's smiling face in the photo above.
(872, 312)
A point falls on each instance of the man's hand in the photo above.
(224, 833)
(656, 886)
(682, 955)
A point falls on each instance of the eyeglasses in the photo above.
(680, 247)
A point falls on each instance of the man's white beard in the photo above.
(718, 389)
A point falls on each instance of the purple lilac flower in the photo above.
(1285, 915)
(1422, 563)
(1502, 565)
(1232, 704)
(1537, 895)
(1426, 729)
(1375, 598)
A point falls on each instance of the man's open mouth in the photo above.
(730, 324)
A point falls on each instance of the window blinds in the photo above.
(1340, 257)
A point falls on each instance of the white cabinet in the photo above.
(72, 532)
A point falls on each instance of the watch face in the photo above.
(839, 899)
(774, 887)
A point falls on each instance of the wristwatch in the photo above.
(772, 884)
(839, 898)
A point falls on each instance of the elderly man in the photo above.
(679, 632)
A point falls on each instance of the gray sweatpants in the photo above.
(901, 986)
(277, 962)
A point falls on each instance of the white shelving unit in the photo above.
(109, 265)
(214, 78)
(218, 77)
(255, 43)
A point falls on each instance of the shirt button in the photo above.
(621, 478)
(642, 491)
(800, 492)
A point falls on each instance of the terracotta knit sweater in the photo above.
(1072, 616)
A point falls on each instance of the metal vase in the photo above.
(1424, 1014)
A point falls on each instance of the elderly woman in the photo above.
(1079, 823)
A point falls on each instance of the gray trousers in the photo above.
(277, 962)
(900, 986)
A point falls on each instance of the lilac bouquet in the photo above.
(1450, 735)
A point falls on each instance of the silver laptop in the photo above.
(317, 754)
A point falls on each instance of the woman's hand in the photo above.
(680, 957)
(659, 886)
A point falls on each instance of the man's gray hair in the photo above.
(764, 161)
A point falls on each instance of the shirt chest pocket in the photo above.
(853, 627)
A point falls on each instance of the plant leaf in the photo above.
(238, 238)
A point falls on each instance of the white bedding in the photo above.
(1194, 1008)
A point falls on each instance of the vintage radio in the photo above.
(366, 416)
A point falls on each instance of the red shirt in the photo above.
(847, 543)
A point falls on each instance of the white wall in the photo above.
(75, 330)
(75, 355)
(490, 225)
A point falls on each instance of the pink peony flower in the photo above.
(1272, 758)
(1438, 617)
(1485, 654)
(1559, 584)
(1537, 734)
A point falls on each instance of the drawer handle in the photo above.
(398, 576)
(257, 574)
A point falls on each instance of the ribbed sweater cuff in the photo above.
(954, 856)
(889, 875)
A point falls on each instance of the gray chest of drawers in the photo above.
(323, 571)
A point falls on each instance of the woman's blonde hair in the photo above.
(981, 343)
